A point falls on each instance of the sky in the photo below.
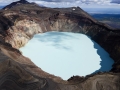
(70, 3)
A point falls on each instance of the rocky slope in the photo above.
(19, 21)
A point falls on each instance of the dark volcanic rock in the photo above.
(20, 20)
(16, 4)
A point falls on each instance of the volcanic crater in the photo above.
(20, 22)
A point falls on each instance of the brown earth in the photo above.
(19, 21)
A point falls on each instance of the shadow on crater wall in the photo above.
(106, 62)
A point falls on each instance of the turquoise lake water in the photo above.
(66, 54)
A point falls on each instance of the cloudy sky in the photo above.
(69, 3)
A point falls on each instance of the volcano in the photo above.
(20, 21)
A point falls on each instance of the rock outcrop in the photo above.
(19, 21)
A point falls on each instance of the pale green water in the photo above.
(66, 54)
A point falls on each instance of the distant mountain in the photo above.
(1, 7)
(102, 10)
(111, 19)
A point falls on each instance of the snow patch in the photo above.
(73, 9)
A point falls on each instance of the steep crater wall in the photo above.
(22, 26)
